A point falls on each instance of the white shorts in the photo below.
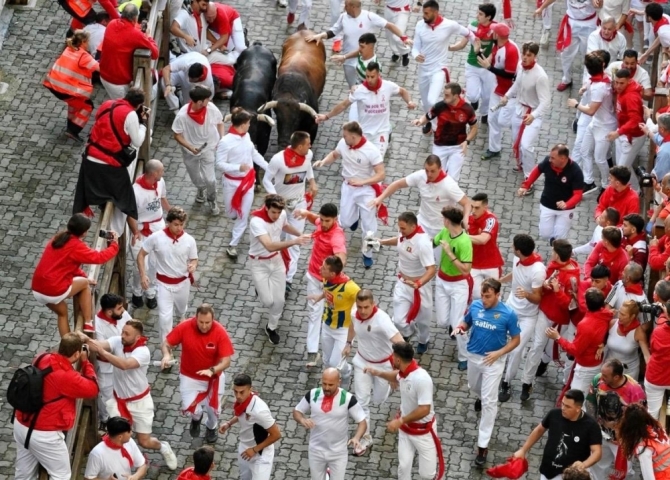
(142, 411)
(44, 299)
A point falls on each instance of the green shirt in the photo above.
(484, 34)
(461, 245)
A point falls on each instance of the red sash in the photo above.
(174, 281)
(246, 184)
(213, 387)
(389, 359)
(122, 403)
(382, 211)
(564, 37)
(416, 304)
(517, 143)
(422, 429)
(146, 228)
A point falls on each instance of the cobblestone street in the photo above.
(37, 180)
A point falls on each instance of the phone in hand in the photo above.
(107, 234)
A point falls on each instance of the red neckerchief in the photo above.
(198, 23)
(327, 402)
(436, 22)
(373, 89)
(418, 229)
(660, 23)
(199, 116)
(203, 77)
(240, 408)
(338, 279)
(101, 314)
(359, 144)
(559, 170)
(374, 312)
(235, 132)
(141, 342)
(114, 446)
(630, 327)
(263, 213)
(601, 77)
(605, 38)
(293, 159)
(175, 238)
(635, 289)
(666, 138)
(529, 67)
(142, 182)
(528, 261)
(413, 365)
(189, 474)
(484, 31)
(440, 176)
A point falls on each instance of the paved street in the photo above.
(37, 180)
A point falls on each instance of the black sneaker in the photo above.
(541, 369)
(478, 405)
(395, 58)
(505, 392)
(475, 105)
(427, 128)
(589, 188)
(574, 125)
(526, 389)
(405, 60)
(489, 155)
(272, 335)
(211, 435)
(152, 303)
(485, 119)
(602, 190)
(195, 428)
(481, 456)
(137, 301)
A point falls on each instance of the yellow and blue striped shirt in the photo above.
(340, 299)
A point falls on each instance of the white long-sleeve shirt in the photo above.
(432, 42)
(135, 130)
(531, 89)
(615, 47)
(235, 150)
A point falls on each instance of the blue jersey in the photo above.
(489, 328)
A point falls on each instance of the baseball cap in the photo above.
(500, 29)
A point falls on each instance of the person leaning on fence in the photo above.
(58, 275)
(39, 436)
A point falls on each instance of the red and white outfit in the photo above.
(413, 308)
(268, 269)
(573, 34)
(615, 46)
(227, 22)
(397, 12)
(432, 41)
(194, 25)
(179, 79)
(630, 113)
(480, 82)
(108, 460)
(252, 414)
(173, 281)
(286, 175)
(527, 274)
(236, 149)
(359, 162)
(132, 394)
(373, 110)
(201, 351)
(149, 220)
(106, 327)
(306, 10)
(416, 388)
(505, 58)
(662, 31)
(487, 262)
(656, 378)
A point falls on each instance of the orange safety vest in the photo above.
(660, 457)
(71, 74)
(81, 7)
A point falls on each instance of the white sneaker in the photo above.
(200, 197)
(544, 39)
(282, 3)
(313, 359)
(169, 456)
(215, 208)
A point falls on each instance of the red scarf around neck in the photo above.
(418, 229)
(413, 365)
(338, 279)
(359, 144)
(660, 23)
(293, 159)
(666, 138)
(199, 116)
(629, 328)
(436, 22)
(605, 38)
(240, 408)
(601, 77)
(114, 446)
(141, 342)
(373, 89)
(142, 182)
(234, 131)
(440, 176)
(175, 238)
(263, 213)
(635, 289)
(327, 402)
(103, 316)
(528, 261)
(374, 312)
(528, 67)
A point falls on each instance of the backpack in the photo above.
(25, 392)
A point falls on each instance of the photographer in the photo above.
(657, 375)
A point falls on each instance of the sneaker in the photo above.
(589, 188)
(290, 18)
(463, 366)
(313, 359)
(395, 58)
(200, 197)
(194, 430)
(214, 208)
(211, 435)
(526, 389)
(73, 136)
(282, 3)
(602, 190)
(505, 392)
(485, 119)
(272, 335)
(337, 46)
(152, 303)
(88, 327)
(574, 125)
(354, 226)
(562, 87)
(169, 456)
(422, 348)
(405, 60)
(529, 191)
(137, 301)
(367, 262)
(427, 128)
(544, 39)
(480, 460)
(289, 289)
(301, 27)
(541, 369)
(478, 405)
(231, 252)
(551, 241)
(475, 105)
(517, 168)
(489, 155)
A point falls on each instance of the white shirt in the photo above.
(359, 162)
(105, 330)
(605, 116)
(641, 76)
(259, 227)
(103, 462)
(531, 88)
(289, 182)
(374, 336)
(618, 295)
(131, 382)
(171, 257)
(614, 47)
(196, 134)
(96, 34)
(663, 34)
(234, 150)
(257, 412)
(415, 255)
(149, 206)
(374, 107)
(415, 390)
(331, 429)
(433, 43)
(528, 278)
(189, 26)
(434, 197)
(581, 10)
(180, 66)
(352, 28)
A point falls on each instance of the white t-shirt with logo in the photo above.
(352, 29)
(257, 412)
(259, 227)
(415, 390)
(171, 256)
(374, 107)
(196, 134)
(359, 162)
(528, 278)
(374, 336)
(415, 255)
(104, 462)
(601, 92)
(289, 182)
(131, 382)
(105, 330)
(434, 197)
(149, 206)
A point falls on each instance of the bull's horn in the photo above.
(227, 118)
(265, 118)
(307, 109)
(267, 106)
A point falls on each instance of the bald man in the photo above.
(329, 408)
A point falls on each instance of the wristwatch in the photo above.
(211, 369)
(209, 50)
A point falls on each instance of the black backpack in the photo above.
(25, 392)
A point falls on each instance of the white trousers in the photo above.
(189, 390)
(141, 410)
(399, 19)
(201, 171)
(546, 17)
(333, 341)
(580, 37)
(149, 267)
(431, 86)
(483, 381)
(528, 327)
(171, 298)
(294, 251)
(269, 278)
(501, 118)
(303, 15)
(451, 302)
(369, 389)
(595, 146)
(452, 159)
(46, 448)
(320, 462)
(335, 11)
(408, 445)
(352, 78)
(106, 387)
(354, 205)
(479, 85)
(478, 276)
(602, 469)
(115, 92)
(626, 154)
(537, 349)
(315, 313)
(403, 299)
(259, 467)
(555, 223)
(585, 163)
(583, 376)
(528, 138)
(655, 394)
(241, 221)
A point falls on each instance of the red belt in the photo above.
(398, 9)
(231, 177)
(146, 230)
(389, 359)
(422, 429)
(458, 278)
(268, 257)
(172, 280)
(122, 403)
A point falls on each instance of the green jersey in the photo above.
(361, 65)
(461, 245)
(485, 36)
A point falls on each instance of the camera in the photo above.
(107, 234)
(646, 179)
(650, 311)
(84, 348)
